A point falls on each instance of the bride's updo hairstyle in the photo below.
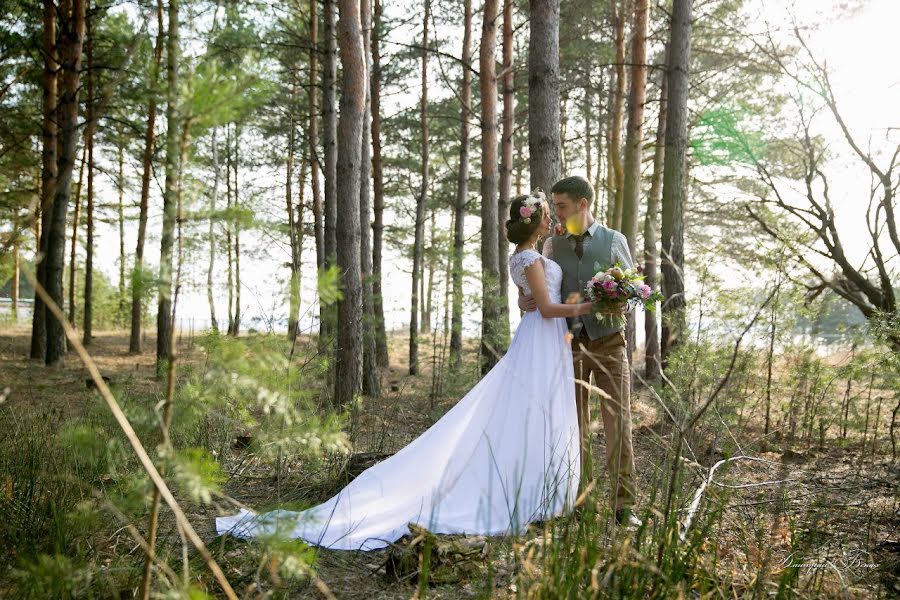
(525, 214)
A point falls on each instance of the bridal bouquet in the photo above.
(616, 289)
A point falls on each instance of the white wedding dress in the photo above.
(505, 455)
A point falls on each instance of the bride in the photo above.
(505, 455)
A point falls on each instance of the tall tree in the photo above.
(543, 94)
(352, 120)
(381, 349)
(49, 132)
(421, 199)
(507, 82)
(462, 187)
(138, 280)
(329, 139)
(675, 179)
(73, 243)
(490, 263)
(294, 224)
(71, 39)
(164, 317)
(314, 154)
(88, 322)
(653, 366)
(370, 379)
(634, 142)
(617, 102)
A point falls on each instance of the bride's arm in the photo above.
(535, 275)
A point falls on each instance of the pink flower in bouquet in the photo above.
(644, 291)
(609, 287)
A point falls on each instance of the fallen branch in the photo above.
(698, 495)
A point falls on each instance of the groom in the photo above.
(598, 346)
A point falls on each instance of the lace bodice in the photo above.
(518, 261)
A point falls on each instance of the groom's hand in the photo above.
(526, 303)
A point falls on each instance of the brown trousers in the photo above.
(606, 359)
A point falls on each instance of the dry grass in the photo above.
(832, 503)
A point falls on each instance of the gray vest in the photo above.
(576, 273)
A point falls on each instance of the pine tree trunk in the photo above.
(653, 366)
(211, 235)
(329, 138)
(313, 133)
(15, 282)
(427, 325)
(121, 215)
(138, 277)
(370, 380)
(236, 321)
(73, 242)
(421, 199)
(293, 234)
(675, 180)
(543, 95)
(507, 81)
(70, 44)
(617, 14)
(348, 365)
(490, 262)
(462, 190)
(381, 349)
(49, 132)
(164, 317)
(634, 143)
(88, 324)
(229, 227)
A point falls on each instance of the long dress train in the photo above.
(505, 455)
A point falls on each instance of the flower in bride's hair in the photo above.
(525, 211)
(527, 220)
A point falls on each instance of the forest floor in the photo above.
(839, 504)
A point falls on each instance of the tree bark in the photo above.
(421, 199)
(329, 138)
(70, 51)
(675, 180)
(49, 134)
(614, 211)
(506, 157)
(462, 190)
(211, 235)
(88, 323)
(370, 379)
(381, 349)
(236, 321)
(490, 263)
(634, 143)
(653, 365)
(164, 317)
(138, 277)
(543, 95)
(352, 120)
(120, 184)
(293, 233)
(73, 243)
(314, 154)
